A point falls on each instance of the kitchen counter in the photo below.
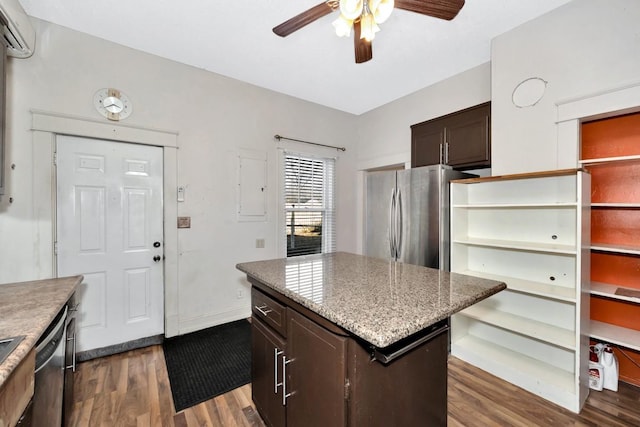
(27, 308)
(376, 300)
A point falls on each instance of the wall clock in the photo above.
(112, 104)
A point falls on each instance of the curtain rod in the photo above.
(278, 137)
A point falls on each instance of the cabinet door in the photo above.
(315, 375)
(467, 137)
(266, 373)
(427, 141)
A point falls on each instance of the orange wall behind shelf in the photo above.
(615, 183)
(614, 137)
(614, 268)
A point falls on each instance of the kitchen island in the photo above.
(344, 339)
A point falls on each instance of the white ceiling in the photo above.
(234, 38)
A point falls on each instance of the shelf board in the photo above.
(620, 249)
(518, 368)
(613, 334)
(560, 293)
(517, 245)
(540, 331)
(605, 160)
(516, 205)
(616, 205)
(609, 291)
(526, 175)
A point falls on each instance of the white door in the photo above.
(109, 229)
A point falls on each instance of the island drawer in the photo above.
(269, 310)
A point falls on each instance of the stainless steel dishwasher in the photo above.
(50, 369)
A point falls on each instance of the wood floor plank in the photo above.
(133, 389)
(212, 409)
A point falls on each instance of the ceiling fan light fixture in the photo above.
(351, 9)
(364, 16)
(368, 27)
(343, 26)
(381, 9)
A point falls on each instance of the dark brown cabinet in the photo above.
(266, 377)
(298, 380)
(461, 139)
(307, 371)
(316, 374)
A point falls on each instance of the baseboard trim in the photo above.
(83, 356)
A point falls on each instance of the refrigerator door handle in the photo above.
(392, 206)
(398, 232)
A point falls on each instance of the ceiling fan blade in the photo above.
(302, 19)
(363, 48)
(443, 9)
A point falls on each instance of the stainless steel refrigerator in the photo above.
(407, 215)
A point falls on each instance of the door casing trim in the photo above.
(45, 126)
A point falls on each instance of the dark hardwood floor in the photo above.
(132, 389)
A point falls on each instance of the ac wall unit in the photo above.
(18, 33)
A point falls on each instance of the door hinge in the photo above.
(55, 158)
(347, 388)
(55, 248)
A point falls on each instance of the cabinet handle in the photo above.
(263, 310)
(398, 225)
(285, 362)
(441, 157)
(276, 352)
(392, 204)
(446, 153)
(73, 357)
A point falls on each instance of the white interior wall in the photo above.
(214, 116)
(384, 134)
(584, 47)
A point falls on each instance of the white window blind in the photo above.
(309, 211)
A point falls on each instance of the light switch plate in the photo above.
(184, 222)
(260, 243)
(181, 194)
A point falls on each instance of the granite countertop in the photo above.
(27, 308)
(380, 301)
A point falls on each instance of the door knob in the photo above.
(156, 244)
(157, 258)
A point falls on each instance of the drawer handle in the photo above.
(276, 352)
(264, 310)
(285, 395)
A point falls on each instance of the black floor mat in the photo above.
(206, 363)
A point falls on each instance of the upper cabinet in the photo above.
(461, 139)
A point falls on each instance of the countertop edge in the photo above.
(31, 337)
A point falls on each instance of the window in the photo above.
(308, 204)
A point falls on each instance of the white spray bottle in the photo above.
(609, 363)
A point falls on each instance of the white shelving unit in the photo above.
(602, 331)
(527, 231)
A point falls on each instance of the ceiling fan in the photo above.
(364, 15)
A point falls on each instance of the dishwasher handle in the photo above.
(387, 357)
